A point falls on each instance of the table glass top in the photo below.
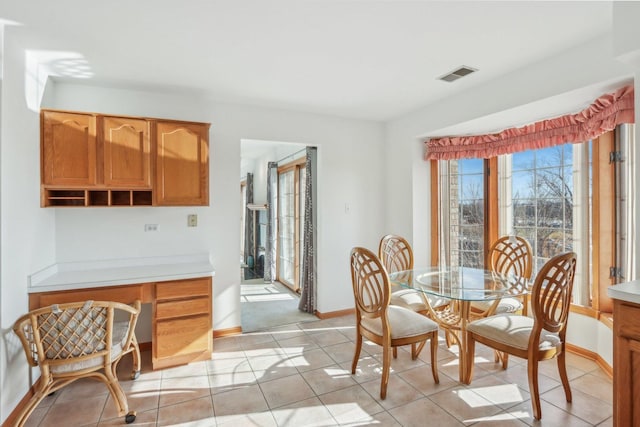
(461, 283)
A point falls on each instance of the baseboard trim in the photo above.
(588, 354)
(332, 314)
(218, 333)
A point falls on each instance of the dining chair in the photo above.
(77, 340)
(387, 325)
(534, 339)
(396, 254)
(507, 255)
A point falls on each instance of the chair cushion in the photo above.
(506, 305)
(411, 299)
(404, 323)
(513, 330)
(118, 337)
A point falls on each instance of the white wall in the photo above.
(284, 152)
(33, 238)
(27, 232)
(542, 84)
(108, 233)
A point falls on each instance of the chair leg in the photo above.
(532, 371)
(471, 354)
(505, 361)
(416, 350)
(447, 338)
(119, 398)
(386, 367)
(562, 369)
(356, 355)
(136, 358)
(501, 357)
(33, 403)
(395, 352)
(434, 357)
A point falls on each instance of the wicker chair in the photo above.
(78, 340)
(383, 324)
(534, 339)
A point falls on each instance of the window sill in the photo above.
(603, 317)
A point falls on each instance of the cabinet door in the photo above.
(626, 364)
(126, 146)
(68, 149)
(182, 164)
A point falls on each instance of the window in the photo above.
(560, 199)
(463, 221)
(542, 199)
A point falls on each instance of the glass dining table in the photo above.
(459, 286)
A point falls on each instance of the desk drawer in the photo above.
(183, 336)
(182, 308)
(183, 289)
(125, 294)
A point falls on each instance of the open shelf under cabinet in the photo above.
(96, 198)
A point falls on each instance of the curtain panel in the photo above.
(272, 217)
(603, 115)
(249, 227)
(308, 294)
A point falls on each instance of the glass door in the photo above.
(290, 223)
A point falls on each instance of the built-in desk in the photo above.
(179, 289)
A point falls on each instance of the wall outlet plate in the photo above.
(192, 220)
(151, 227)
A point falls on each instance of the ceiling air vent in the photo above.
(456, 74)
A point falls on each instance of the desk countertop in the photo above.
(629, 291)
(90, 274)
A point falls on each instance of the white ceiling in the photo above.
(374, 60)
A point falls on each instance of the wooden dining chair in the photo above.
(507, 255)
(396, 254)
(534, 339)
(77, 340)
(380, 322)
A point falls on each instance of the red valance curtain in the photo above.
(603, 115)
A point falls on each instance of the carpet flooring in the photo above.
(268, 305)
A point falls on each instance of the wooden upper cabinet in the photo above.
(182, 164)
(92, 159)
(68, 146)
(126, 146)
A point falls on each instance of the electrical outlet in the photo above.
(151, 227)
(192, 220)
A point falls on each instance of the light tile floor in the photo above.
(299, 375)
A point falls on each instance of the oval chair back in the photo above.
(551, 295)
(511, 254)
(395, 253)
(370, 284)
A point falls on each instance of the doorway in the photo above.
(272, 294)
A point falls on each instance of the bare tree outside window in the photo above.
(467, 213)
(542, 188)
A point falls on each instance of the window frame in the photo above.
(296, 166)
(603, 221)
